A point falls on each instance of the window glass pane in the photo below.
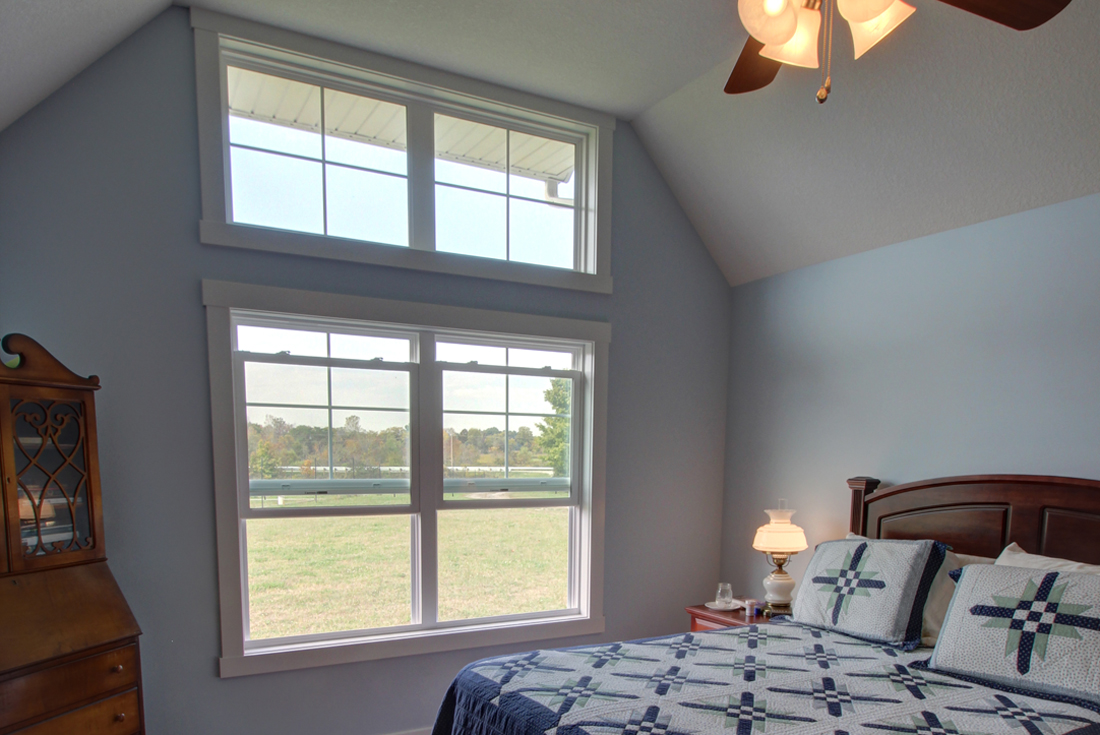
(473, 445)
(521, 186)
(567, 189)
(276, 191)
(473, 392)
(470, 223)
(540, 359)
(274, 137)
(271, 340)
(364, 155)
(554, 442)
(287, 443)
(270, 112)
(528, 394)
(481, 354)
(502, 561)
(362, 347)
(367, 206)
(370, 444)
(462, 174)
(532, 157)
(294, 384)
(366, 132)
(370, 388)
(541, 233)
(324, 575)
(470, 154)
(529, 449)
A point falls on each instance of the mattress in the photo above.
(780, 677)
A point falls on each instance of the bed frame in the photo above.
(981, 514)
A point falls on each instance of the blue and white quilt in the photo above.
(781, 678)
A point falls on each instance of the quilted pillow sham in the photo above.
(1031, 629)
(870, 589)
(939, 596)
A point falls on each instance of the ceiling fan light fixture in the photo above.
(801, 49)
(861, 11)
(769, 21)
(867, 34)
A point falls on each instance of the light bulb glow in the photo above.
(865, 35)
(773, 8)
(801, 50)
(768, 21)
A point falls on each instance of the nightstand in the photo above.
(703, 618)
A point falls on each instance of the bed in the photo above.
(791, 678)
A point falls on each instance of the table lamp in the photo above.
(779, 539)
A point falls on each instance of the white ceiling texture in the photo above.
(951, 120)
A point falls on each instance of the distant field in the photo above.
(321, 575)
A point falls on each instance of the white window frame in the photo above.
(241, 656)
(424, 92)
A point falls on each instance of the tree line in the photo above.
(280, 450)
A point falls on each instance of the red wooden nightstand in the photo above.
(703, 618)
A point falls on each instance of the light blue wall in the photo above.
(972, 351)
(100, 262)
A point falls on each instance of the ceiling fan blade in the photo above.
(752, 71)
(1023, 15)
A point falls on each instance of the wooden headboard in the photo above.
(981, 514)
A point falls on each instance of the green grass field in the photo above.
(323, 575)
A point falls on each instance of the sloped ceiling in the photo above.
(952, 120)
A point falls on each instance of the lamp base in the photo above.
(779, 587)
(777, 609)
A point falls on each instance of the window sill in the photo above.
(304, 656)
(336, 248)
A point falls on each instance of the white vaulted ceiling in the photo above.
(950, 121)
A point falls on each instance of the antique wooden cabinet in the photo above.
(69, 659)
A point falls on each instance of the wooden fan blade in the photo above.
(1023, 15)
(752, 71)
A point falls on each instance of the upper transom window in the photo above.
(319, 158)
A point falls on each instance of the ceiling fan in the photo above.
(790, 31)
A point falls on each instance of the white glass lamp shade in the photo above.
(780, 536)
(769, 21)
(801, 50)
(861, 11)
(868, 33)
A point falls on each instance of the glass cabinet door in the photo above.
(50, 476)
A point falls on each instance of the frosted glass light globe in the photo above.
(801, 49)
(773, 8)
(861, 11)
(771, 22)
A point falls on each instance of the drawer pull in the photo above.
(120, 717)
(116, 669)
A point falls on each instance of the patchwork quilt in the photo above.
(780, 678)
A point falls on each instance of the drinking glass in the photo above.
(724, 596)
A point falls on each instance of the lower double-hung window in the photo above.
(398, 483)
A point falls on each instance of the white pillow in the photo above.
(1014, 556)
(939, 596)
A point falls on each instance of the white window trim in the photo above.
(238, 658)
(473, 95)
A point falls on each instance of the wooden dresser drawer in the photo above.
(698, 624)
(61, 687)
(118, 715)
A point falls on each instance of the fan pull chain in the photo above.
(827, 52)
